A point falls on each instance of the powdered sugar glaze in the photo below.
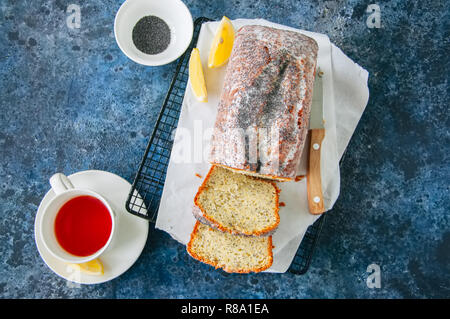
(264, 108)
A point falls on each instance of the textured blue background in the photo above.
(71, 101)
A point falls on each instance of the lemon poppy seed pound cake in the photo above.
(236, 254)
(264, 107)
(258, 138)
(237, 203)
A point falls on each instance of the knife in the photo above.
(313, 175)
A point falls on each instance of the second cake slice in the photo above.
(237, 203)
(237, 254)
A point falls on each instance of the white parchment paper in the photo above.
(345, 98)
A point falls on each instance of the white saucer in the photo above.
(128, 241)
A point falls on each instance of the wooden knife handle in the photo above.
(314, 179)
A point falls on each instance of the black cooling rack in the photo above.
(149, 180)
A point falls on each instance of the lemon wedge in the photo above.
(222, 44)
(93, 267)
(196, 76)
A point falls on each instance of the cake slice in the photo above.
(237, 203)
(240, 254)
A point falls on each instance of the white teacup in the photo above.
(65, 191)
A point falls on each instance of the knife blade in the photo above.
(316, 125)
(316, 117)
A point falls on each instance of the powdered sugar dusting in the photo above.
(266, 100)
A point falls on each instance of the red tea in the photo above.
(83, 226)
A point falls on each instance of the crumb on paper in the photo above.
(198, 175)
(282, 204)
(298, 178)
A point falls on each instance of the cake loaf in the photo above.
(264, 107)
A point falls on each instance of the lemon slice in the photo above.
(93, 267)
(196, 76)
(222, 44)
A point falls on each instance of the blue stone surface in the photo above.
(71, 101)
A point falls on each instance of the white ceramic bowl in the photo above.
(173, 12)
